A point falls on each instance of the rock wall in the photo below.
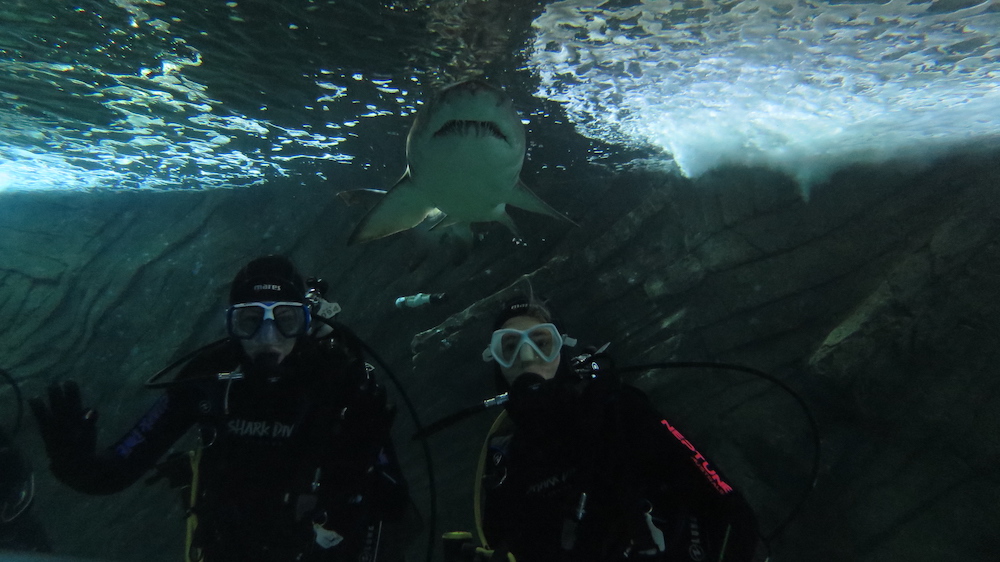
(872, 301)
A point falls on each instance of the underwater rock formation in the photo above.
(874, 300)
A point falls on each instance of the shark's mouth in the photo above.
(464, 128)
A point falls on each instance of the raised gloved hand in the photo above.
(68, 429)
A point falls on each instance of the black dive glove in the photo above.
(68, 429)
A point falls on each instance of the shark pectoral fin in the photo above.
(524, 198)
(401, 208)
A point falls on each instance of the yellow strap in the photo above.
(480, 470)
(192, 519)
(456, 535)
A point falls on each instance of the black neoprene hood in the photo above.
(267, 279)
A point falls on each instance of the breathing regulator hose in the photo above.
(20, 402)
(813, 426)
(598, 370)
(345, 332)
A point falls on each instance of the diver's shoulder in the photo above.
(636, 404)
(335, 347)
(634, 394)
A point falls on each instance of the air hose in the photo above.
(813, 426)
(20, 402)
(347, 332)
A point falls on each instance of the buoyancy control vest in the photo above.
(285, 460)
(620, 489)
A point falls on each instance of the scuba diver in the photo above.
(19, 529)
(582, 468)
(296, 460)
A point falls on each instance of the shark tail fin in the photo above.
(401, 208)
(526, 199)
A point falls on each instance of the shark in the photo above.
(464, 154)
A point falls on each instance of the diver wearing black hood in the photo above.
(585, 470)
(296, 461)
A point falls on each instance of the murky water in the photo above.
(281, 97)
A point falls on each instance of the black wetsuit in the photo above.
(305, 444)
(576, 484)
(19, 529)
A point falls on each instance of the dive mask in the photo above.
(544, 339)
(291, 319)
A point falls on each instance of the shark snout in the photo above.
(472, 110)
(470, 87)
(473, 89)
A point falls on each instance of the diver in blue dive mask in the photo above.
(582, 468)
(296, 463)
(268, 330)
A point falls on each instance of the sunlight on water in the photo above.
(111, 97)
(804, 87)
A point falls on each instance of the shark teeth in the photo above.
(463, 127)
